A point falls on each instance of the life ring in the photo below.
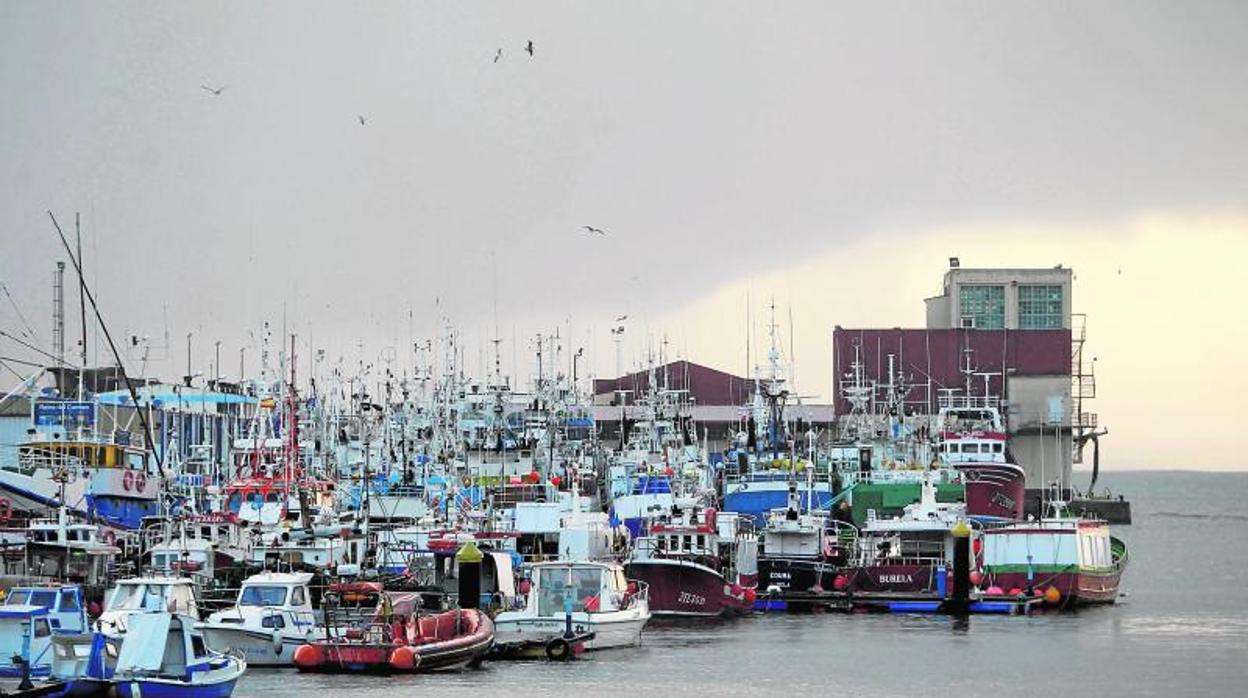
(6, 509)
(558, 649)
(128, 480)
(140, 482)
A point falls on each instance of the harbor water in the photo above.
(1181, 629)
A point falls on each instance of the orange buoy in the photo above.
(976, 578)
(308, 657)
(1053, 596)
(404, 658)
(1015, 591)
(840, 582)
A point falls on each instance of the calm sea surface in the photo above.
(1181, 630)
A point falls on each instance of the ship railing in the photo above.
(866, 558)
(641, 593)
(968, 402)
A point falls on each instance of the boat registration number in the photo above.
(691, 599)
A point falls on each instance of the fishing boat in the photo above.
(108, 477)
(399, 639)
(765, 456)
(973, 441)
(271, 618)
(61, 548)
(582, 599)
(699, 563)
(1071, 559)
(163, 655)
(801, 554)
(909, 554)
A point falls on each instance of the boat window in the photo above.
(198, 649)
(234, 503)
(256, 595)
(997, 448)
(205, 532)
(126, 597)
(970, 448)
(582, 583)
(69, 600)
(954, 448)
(298, 597)
(41, 627)
(272, 622)
(272, 498)
(45, 599)
(181, 599)
(17, 597)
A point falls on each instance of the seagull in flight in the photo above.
(592, 229)
(621, 318)
(498, 55)
(529, 48)
(363, 121)
(216, 91)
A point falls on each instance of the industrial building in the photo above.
(1008, 333)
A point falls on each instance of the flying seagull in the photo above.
(529, 48)
(498, 55)
(592, 229)
(621, 318)
(216, 91)
(363, 121)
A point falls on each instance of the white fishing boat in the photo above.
(590, 599)
(271, 618)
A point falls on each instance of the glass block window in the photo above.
(1040, 307)
(984, 303)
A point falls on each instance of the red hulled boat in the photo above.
(399, 640)
(699, 564)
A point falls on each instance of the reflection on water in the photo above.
(1182, 630)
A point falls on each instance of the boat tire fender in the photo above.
(558, 649)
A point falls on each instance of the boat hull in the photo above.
(259, 648)
(680, 588)
(450, 640)
(623, 631)
(895, 578)
(157, 688)
(780, 577)
(1077, 587)
(994, 490)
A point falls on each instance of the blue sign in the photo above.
(69, 415)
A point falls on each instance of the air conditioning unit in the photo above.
(968, 322)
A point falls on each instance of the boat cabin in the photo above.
(139, 595)
(25, 635)
(66, 611)
(60, 548)
(590, 587)
(271, 600)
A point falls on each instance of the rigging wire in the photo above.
(30, 330)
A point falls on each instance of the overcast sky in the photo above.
(718, 144)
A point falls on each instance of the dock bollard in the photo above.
(960, 602)
(469, 560)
